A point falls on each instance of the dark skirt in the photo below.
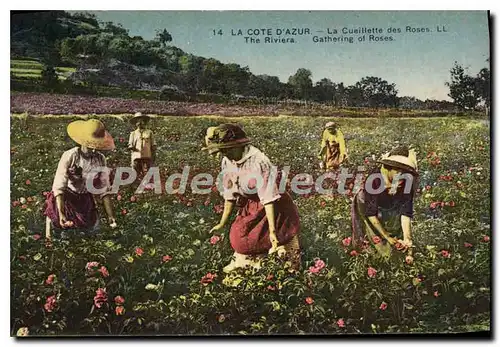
(78, 208)
(332, 158)
(249, 233)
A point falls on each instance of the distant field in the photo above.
(27, 68)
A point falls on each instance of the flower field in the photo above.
(160, 271)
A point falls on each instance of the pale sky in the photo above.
(418, 63)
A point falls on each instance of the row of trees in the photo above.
(82, 40)
(470, 91)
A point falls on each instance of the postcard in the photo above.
(214, 173)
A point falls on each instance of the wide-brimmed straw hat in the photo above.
(225, 136)
(91, 133)
(405, 163)
(138, 116)
(330, 125)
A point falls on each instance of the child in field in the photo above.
(141, 144)
(333, 149)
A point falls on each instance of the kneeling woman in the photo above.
(267, 221)
(70, 205)
(384, 218)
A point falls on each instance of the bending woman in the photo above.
(333, 150)
(267, 221)
(70, 205)
(383, 215)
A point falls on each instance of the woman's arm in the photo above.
(378, 226)
(60, 209)
(108, 206)
(228, 208)
(341, 141)
(406, 226)
(269, 208)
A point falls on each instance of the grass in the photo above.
(32, 69)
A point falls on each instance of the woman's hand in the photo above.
(64, 222)
(112, 223)
(274, 241)
(217, 227)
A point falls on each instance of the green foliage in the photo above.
(435, 294)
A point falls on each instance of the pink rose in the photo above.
(354, 253)
(139, 251)
(347, 241)
(341, 323)
(91, 265)
(445, 253)
(104, 271)
(372, 272)
(309, 300)
(376, 239)
(214, 239)
(50, 279)
(119, 300)
(486, 238)
(467, 245)
(383, 306)
(314, 270)
(120, 310)
(208, 278)
(320, 264)
(101, 297)
(50, 303)
(166, 258)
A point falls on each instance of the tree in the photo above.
(301, 83)
(377, 92)
(163, 36)
(324, 90)
(483, 87)
(463, 88)
(115, 29)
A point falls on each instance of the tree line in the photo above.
(80, 39)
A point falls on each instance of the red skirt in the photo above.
(78, 208)
(250, 230)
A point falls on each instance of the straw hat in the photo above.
(225, 136)
(138, 116)
(91, 133)
(330, 125)
(407, 164)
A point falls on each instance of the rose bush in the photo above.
(160, 271)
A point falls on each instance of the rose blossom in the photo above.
(139, 251)
(445, 253)
(50, 304)
(353, 253)
(371, 272)
(314, 269)
(101, 297)
(166, 258)
(214, 239)
(319, 264)
(309, 300)
(50, 279)
(104, 271)
(119, 300)
(341, 323)
(347, 241)
(376, 239)
(383, 306)
(467, 245)
(91, 265)
(120, 310)
(208, 278)
(486, 238)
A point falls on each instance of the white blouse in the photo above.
(75, 167)
(242, 177)
(143, 142)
